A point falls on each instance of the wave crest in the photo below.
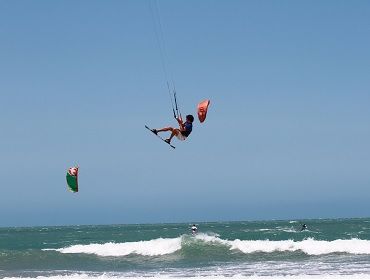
(164, 246)
(155, 247)
(308, 246)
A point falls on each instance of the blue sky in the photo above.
(287, 135)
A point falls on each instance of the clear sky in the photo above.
(287, 134)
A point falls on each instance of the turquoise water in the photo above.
(264, 248)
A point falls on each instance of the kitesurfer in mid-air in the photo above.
(181, 133)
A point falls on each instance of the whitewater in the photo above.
(161, 246)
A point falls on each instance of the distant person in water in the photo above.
(182, 132)
(304, 227)
(194, 229)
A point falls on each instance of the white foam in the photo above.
(264, 229)
(210, 238)
(155, 247)
(308, 246)
(236, 277)
(164, 246)
(287, 229)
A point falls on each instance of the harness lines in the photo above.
(159, 34)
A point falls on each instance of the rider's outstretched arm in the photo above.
(181, 124)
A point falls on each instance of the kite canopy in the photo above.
(202, 110)
(72, 179)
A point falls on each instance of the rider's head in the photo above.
(190, 118)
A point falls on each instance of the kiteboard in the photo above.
(160, 137)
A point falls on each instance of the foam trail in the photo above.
(237, 277)
(164, 246)
(308, 246)
(155, 247)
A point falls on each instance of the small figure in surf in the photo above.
(182, 132)
(194, 229)
(304, 227)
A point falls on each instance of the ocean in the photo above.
(329, 248)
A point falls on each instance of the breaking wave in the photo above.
(164, 246)
(155, 247)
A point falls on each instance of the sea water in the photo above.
(334, 249)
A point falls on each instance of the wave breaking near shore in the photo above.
(165, 246)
